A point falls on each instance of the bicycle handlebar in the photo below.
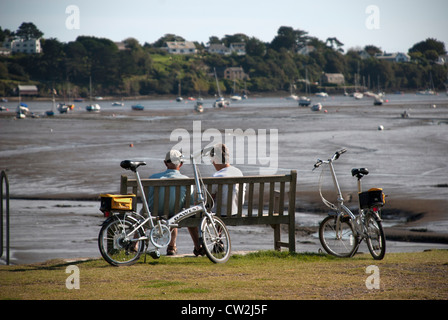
(338, 154)
(334, 157)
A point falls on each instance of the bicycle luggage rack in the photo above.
(4, 177)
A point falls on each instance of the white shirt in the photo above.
(228, 172)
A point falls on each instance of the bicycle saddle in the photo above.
(359, 173)
(131, 165)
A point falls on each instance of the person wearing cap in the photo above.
(220, 158)
(173, 162)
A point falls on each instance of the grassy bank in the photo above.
(265, 275)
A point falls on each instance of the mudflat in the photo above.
(77, 155)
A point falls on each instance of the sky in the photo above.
(392, 25)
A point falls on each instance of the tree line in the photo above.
(271, 67)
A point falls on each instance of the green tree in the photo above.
(103, 60)
(255, 47)
(429, 44)
(28, 30)
(166, 38)
(334, 44)
(289, 39)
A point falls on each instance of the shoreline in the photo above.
(276, 94)
(413, 212)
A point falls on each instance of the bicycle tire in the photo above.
(217, 246)
(376, 240)
(343, 246)
(113, 245)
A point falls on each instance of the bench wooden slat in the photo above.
(250, 200)
(281, 199)
(261, 199)
(240, 199)
(219, 202)
(229, 199)
(271, 198)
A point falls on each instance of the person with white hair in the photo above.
(220, 158)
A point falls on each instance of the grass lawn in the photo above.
(264, 275)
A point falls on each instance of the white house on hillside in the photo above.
(24, 46)
(393, 57)
(180, 47)
(238, 48)
(306, 50)
(219, 49)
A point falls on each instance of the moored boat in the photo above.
(221, 103)
(199, 107)
(316, 107)
(358, 95)
(137, 107)
(63, 108)
(378, 100)
(304, 101)
(94, 107)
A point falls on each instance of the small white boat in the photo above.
(292, 97)
(199, 107)
(316, 107)
(118, 104)
(93, 107)
(235, 98)
(62, 108)
(427, 92)
(358, 95)
(221, 103)
(179, 99)
(304, 101)
(22, 111)
(377, 100)
(137, 107)
(321, 94)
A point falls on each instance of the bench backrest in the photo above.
(265, 196)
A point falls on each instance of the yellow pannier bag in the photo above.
(117, 202)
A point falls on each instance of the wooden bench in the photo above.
(270, 200)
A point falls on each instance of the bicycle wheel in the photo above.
(340, 243)
(215, 239)
(376, 241)
(116, 247)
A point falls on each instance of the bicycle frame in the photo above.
(361, 226)
(176, 219)
(340, 199)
